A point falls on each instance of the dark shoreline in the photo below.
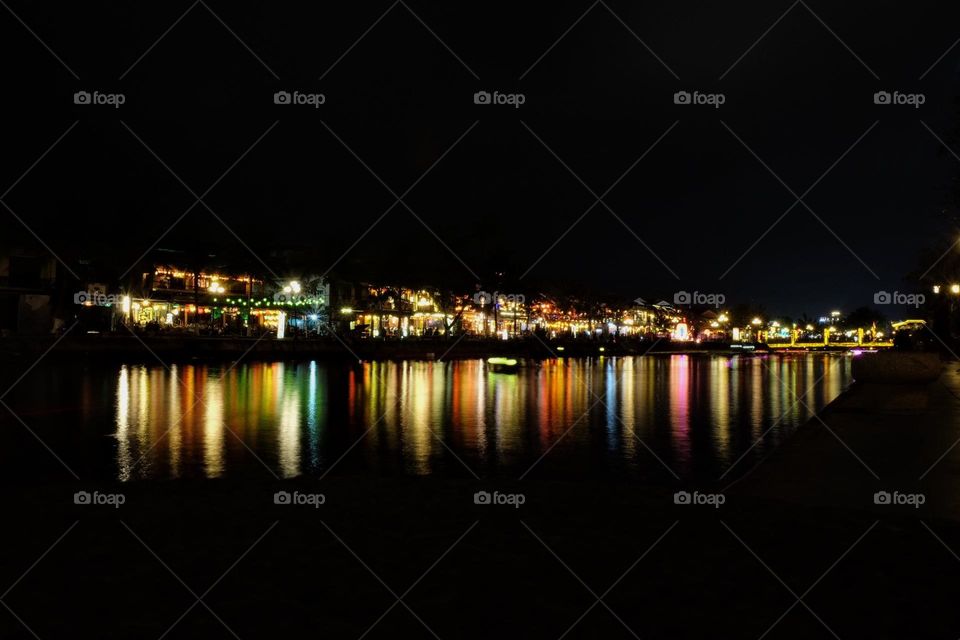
(126, 347)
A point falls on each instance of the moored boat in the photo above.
(503, 365)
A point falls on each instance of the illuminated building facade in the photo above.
(172, 298)
(580, 320)
(380, 311)
(175, 298)
(834, 318)
(505, 317)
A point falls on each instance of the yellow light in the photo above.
(936, 288)
(756, 321)
(346, 310)
(126, 304)
(955, 288)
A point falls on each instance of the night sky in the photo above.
(501, 196)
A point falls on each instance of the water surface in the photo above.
(645, 417)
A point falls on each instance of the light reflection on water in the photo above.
(699, 414)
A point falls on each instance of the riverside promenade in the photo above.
(873, 438)
(127, 347)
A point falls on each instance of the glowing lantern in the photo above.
(681, 332)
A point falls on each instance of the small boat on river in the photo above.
(503, 365)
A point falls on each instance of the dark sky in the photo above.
(499, 199)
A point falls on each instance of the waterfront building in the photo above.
(382, 311)
(833, 319)
(28, 291)
(175, 297)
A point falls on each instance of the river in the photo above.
(648, 418)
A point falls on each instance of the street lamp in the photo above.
(293, 287)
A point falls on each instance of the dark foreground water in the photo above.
(650, 417)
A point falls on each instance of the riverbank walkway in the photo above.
(873, 438)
